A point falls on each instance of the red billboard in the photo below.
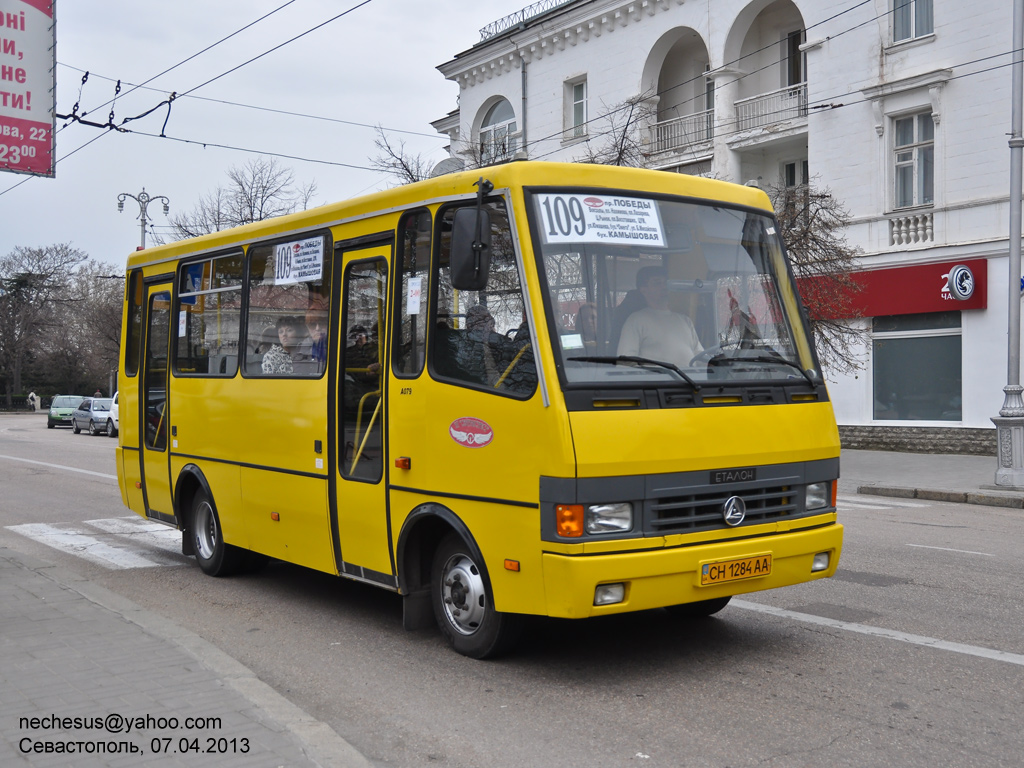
(914, 289)
(27, 92)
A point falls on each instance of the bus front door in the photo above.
(153, 407)
(360, 499)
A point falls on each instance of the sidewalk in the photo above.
(152, 692)
(935, 477)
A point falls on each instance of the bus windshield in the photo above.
(645, 291)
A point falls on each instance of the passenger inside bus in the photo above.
(280, 359)
(479, 351)
(316, 327)
(361, 361)
(657, 332)
(586, 326)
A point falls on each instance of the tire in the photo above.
(699, 610)
(92, 428)
(214, 556)
(50, 424)
(464, 606)
(111, 432)
(74, 427)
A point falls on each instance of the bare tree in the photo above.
(397, 162)
(33, 284)
(813, 223)
(260, 189)
(617, 138)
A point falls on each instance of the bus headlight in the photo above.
(609, 518)
(819, 495)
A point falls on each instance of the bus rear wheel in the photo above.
(214, 556)
(464, 606)
(698, 610)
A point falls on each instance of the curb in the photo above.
(319, 741)
(982, 498)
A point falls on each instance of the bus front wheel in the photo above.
(214, 556)
(463, 605)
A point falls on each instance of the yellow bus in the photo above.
(538, 388)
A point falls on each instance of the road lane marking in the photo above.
(60, 466)
(119, 550)
(947, 549)
(890, 634)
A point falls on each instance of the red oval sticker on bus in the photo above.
(470, 432)
(594, 202)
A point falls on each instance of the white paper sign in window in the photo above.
(566, 218)
(301, 261)
(413, 298)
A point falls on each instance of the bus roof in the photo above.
(515, 174)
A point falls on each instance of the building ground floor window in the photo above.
(916, 364)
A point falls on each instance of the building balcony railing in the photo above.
(912, 228)
(681, 132)
(788, 103)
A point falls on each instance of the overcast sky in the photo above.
(374, 65)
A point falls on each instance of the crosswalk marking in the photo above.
(876, 503)
(116, 543)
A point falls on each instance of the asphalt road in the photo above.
(913, 655)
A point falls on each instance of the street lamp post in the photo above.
(1010, 422)
(143, 199)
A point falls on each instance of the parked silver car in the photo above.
(93, 414)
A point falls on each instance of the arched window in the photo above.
(497, 142)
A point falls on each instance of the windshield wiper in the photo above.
(639, 361)
(776, 359)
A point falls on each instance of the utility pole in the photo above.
(143, 199)
(1010, 422)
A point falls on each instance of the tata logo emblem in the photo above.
(734, 511)
(960, 282)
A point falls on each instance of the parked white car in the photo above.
(113, 422)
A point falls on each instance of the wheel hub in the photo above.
(463, 594)
(205, 530)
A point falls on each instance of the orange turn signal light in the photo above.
(403, 462)
(569, 520)
(275, 516)
(512, 565)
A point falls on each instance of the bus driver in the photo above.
(656, 332)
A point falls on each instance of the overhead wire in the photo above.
(201, 85)
(272, 110)
(820, 104)
(191, 91)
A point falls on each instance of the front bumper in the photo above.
(663, 577)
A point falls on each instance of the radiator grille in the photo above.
(703, 511)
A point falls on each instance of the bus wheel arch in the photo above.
(441, 566)
(419, 538)
(202, 533)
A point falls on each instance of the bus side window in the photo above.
(136, 305)
(209, 316)
(411, 307)
(481, 339)
(286, 326)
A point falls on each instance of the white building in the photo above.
(900, 107)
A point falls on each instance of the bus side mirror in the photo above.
(471, 249)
